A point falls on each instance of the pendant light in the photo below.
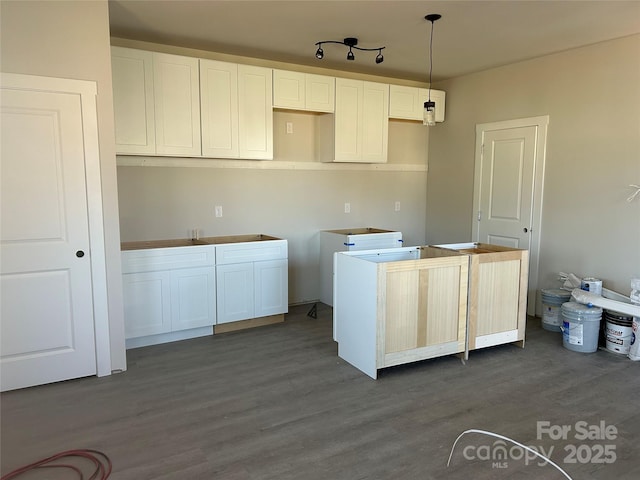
(429, 106)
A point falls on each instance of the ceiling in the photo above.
(471, 36)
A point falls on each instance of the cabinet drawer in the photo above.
(251, 252)
(154, 259)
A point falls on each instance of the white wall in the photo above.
(70, 39)
(167, 202)
(592, 96)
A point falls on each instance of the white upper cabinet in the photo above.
(320, 93)
(176, 88)
(237, 116)
(133, 101)
(255, 112)
(408, 102)
(187, 107)
(219, 108)
(303, 91)
(359, 130)
(156, 103)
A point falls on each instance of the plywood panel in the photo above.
(498, 299)
(401, 313)
(425, 303)
(442, 305)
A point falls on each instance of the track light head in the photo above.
(319, 53)
(379, 57)
(350, 55)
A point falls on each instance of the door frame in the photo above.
(541, 123)
(87, 91)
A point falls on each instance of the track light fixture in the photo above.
(429, 106)
(351, 43)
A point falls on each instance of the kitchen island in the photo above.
(399, 305)
(395, 306)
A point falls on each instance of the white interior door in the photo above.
(508, 188)
(47, 322)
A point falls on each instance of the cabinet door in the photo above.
(133, 101)
(289, 89)
(234, 292)
(147, 303)
(405, 103)
(423, 308)
(348, 119)
(408, 102)
(177, 103)
(255, 112)
(320, 93)
(193, 298)
(271, 287)
(375, 122)
(219, 109)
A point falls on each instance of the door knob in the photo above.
(79, 254)
(525, 229)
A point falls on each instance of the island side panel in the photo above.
(354, 311)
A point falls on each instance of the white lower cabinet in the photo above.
(168, 301)
(178, 292)
(235, 292)
(271, 282)
(350, 239)
(147, 300)
(169, 294)
(192, 302)
(255, 287)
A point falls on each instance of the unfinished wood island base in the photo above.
(498, 283)
(395, 306)
(399, 305)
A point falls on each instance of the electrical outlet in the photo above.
(218, 211)
(289, 127)
(347, 208)
(397, 206)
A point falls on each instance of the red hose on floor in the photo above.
(101, 462)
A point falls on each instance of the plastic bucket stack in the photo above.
(552, 300)
(580, 327)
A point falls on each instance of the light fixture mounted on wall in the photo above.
(429, 106)
(352, 43)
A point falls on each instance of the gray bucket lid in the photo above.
(581, 310)
(556, 292)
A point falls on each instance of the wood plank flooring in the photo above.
(276, 402)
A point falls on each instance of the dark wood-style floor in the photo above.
(277, 402)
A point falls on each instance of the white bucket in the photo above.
(592, 285)
(580, 327)
(552, 300)
(634, 349)
(618, 332)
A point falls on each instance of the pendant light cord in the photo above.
(430, 58)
